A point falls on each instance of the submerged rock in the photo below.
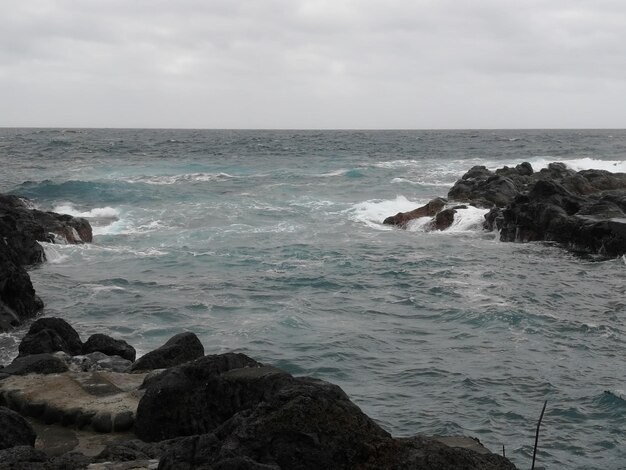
(179, 349)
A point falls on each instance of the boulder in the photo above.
(109, 346)
(15, 430)
(229, 412)
(179, 349)
(401, 219)
(176, 402)
(36, 364)
(47, 335)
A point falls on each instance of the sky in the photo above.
(322, 64)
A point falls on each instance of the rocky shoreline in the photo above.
(585, 211)
(177, 408)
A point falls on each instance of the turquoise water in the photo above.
(271, 243)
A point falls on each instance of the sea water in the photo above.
(271, 243)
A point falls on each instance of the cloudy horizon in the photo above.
(279, 64)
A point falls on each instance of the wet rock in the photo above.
(179, 349)
(47, 335)
(401, 219)
(109, 346)
(15, 430)
(443, 219)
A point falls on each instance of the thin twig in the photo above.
(503, 453)
(537, 434)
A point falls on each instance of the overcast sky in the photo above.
(313, 63)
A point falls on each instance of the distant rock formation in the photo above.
(583, 211)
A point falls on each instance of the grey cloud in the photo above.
(313, 63)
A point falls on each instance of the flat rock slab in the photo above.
(104, 401)
(463, 442)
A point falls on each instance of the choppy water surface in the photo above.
(271, 243)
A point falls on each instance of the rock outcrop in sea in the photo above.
(21, 228)
(583, 211)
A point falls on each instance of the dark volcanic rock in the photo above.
(176, 402)
(585, 211)
(109, 346)
(48, 335)
(179, 349)
(16, 216)
(429, 210)
(36, 364)
(483, 188)
(15, 430)
(237, 413)
(18, 300)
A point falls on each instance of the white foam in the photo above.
(185, 177)
(96, 213)
(465, 220)
(53, 254)
(420, 182)
(398, 164)
(374, 211)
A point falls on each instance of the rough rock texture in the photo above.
(109, 346)
(176, 402)
(47, 335)
(178, 349)
(584, 211)
(15, 430)
(18, 300)
(237, 413)
(18, 215)
(401, 219)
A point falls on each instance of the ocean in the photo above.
(271, 243)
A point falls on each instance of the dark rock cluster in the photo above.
(224, 411)
(583, 211)
(21, 227)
